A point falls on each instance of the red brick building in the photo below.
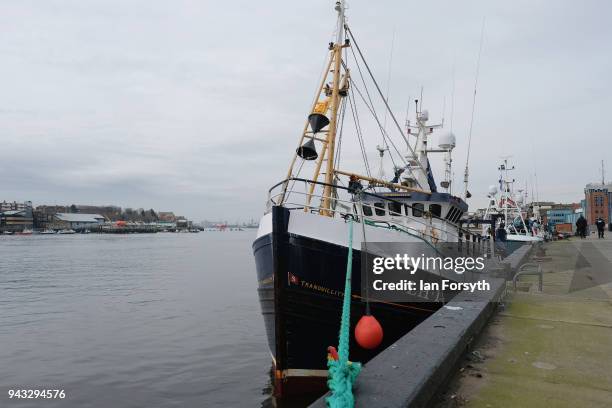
(598, 198)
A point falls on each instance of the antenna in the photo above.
(452, 109)
(467, 160)
(603, 174)
(443, 110)
(408, 116)
(421, 97)
(389, 79)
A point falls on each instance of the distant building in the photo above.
(16, 217)
(166, 216)
(15, 220)
(166, 225)
(110, 212)
(562, 217)
(598, 200)
(15, 206)
(44, 215)
(557, 216)
(77, 221)
(183, 223)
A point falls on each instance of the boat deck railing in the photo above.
(428, 227)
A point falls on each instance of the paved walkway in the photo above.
(550, 349)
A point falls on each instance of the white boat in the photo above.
(508, 210)
(67, 231)
(47, 232)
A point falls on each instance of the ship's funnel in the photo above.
(317, 121)
(307, 151)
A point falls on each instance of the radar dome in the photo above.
(492, 189)
(424, 115)
(447, 141)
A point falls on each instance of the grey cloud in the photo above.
(197, 106)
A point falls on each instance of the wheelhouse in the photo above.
(441, 206)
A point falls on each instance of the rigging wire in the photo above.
(359, 133)
(399, 128)
(370, 106)
(389, 79)
(362, 79)
(372, 109)
(467, 160)
(379, 125)
(290, 190)
(322, 76)
(343, 116)
(339, 148)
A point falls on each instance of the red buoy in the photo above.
(368, 332)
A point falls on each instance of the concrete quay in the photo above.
(551, 348)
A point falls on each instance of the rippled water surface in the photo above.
(157, 320)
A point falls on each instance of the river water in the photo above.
(143, 320)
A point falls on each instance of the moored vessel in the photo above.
(301, 246)
(507, 209)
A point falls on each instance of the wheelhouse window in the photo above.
(459, 214)
(418, 209)
(451, 214)
(435, 210)
(454, 214)
(367, 210)
(395, 209)
(379, 208)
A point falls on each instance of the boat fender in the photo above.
(368, 332)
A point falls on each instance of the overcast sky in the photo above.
(196, 106)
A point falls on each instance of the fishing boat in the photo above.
(301, 245)
(508, 209)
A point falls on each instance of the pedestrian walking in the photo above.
(581, 226)
(601, 225)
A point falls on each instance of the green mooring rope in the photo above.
(343, 373)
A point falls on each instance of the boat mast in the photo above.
(335, 102)
(466, 172)
(322, 128)
(505, 185)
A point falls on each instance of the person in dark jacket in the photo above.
(601, 225)
(501, 233)
(581, 226)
